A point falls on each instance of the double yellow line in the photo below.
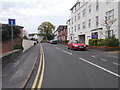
(40, 67)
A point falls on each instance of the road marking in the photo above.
(100, 67)
(116, 63)
(58, 48)
(113, 56)
(38, 72)
(67, 52)
(93, 56)
(103, 59)
(42, 73)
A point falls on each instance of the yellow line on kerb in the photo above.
(39, 68)
(42, 73)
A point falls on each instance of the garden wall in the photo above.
(7, 45)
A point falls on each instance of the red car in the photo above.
(76, 45)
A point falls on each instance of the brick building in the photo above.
(62, 32)
(6, 45)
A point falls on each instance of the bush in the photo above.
(17, 47)
(65, 41)
(110, 42)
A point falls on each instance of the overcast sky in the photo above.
(31, 13)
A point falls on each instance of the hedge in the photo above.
(112, 42)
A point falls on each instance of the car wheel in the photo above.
(68, 48)
(72, 48)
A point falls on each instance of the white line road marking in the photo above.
(93, 56)
(100, 67)
(58, 48)
(103, 59)
(67, 52)
(113, 56)
(116, 63)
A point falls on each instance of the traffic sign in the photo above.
(11, 22)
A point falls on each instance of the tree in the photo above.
(45, 29)
(108, 24)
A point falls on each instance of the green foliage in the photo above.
(112, 42)
(6, 32)
(65, 41)
(17, 47)
(45, 29)
(50, 36)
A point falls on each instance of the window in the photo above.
(79, 4)
(83, 12)
(108, 1)
(83, 25)
(72, 29)
(72, 11)
(78, 26)
(97, 20)
(75, 28)
(89, 23)
(90, 9)
(69, 30)
(110, 14)
(78, 16)
(72, 20)
(109, 33)
(94, 35)
(75, 18)
(97, 5)
(75, 8)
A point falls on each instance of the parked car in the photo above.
(76, 45)
(53, 41)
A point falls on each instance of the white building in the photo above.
(56, 35)
(88, 20)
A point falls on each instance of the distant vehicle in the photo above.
(53, 42)
(76, 45)
(47, 41)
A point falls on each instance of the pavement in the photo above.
(16, 73)
(79, 69)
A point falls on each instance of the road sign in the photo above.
(11, 22)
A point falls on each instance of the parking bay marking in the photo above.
(103, 59)
(116, 63)
(100, 67)
(67, 52)
(93, 56)
(58, 48)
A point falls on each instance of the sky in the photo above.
(31, 13)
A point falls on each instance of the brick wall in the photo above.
(7, 46)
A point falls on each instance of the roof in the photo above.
(62, 27)
(15, 25)
(75, 5)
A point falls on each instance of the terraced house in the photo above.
(94, 19)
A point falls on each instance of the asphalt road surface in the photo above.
(79, 69)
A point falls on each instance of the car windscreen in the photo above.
(77, 42)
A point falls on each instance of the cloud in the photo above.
(30, 13)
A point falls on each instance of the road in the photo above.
(79, 69)
(54, 66)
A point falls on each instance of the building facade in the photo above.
(94, 20)
(56, 35)
(62, 32)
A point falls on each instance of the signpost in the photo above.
(11, 22)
